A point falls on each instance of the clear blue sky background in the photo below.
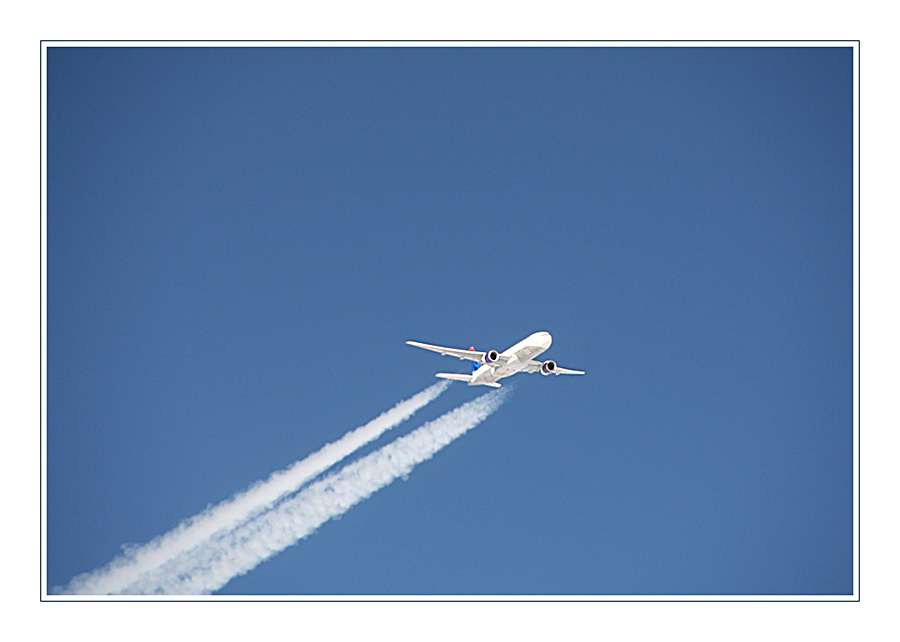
(240, 241)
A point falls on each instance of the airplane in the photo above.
(488, 367)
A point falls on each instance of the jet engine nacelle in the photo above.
(548, 367)
(491, 356)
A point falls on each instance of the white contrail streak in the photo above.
(128, 568)
(212, 564)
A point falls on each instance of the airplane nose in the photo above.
(546, 339)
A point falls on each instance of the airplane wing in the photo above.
(471, 355)
(535, 366)
(559, 370)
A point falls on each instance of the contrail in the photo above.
(215, 562)
(128, 568)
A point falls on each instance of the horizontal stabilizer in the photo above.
(455, 377)
(466, 378)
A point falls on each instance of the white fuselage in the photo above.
(520, 354)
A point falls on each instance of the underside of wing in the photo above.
(549, 367)
(470, 355)
(559, 370)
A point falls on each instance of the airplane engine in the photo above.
(548, 367)
(491, 356)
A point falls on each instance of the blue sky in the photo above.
(240, 241)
